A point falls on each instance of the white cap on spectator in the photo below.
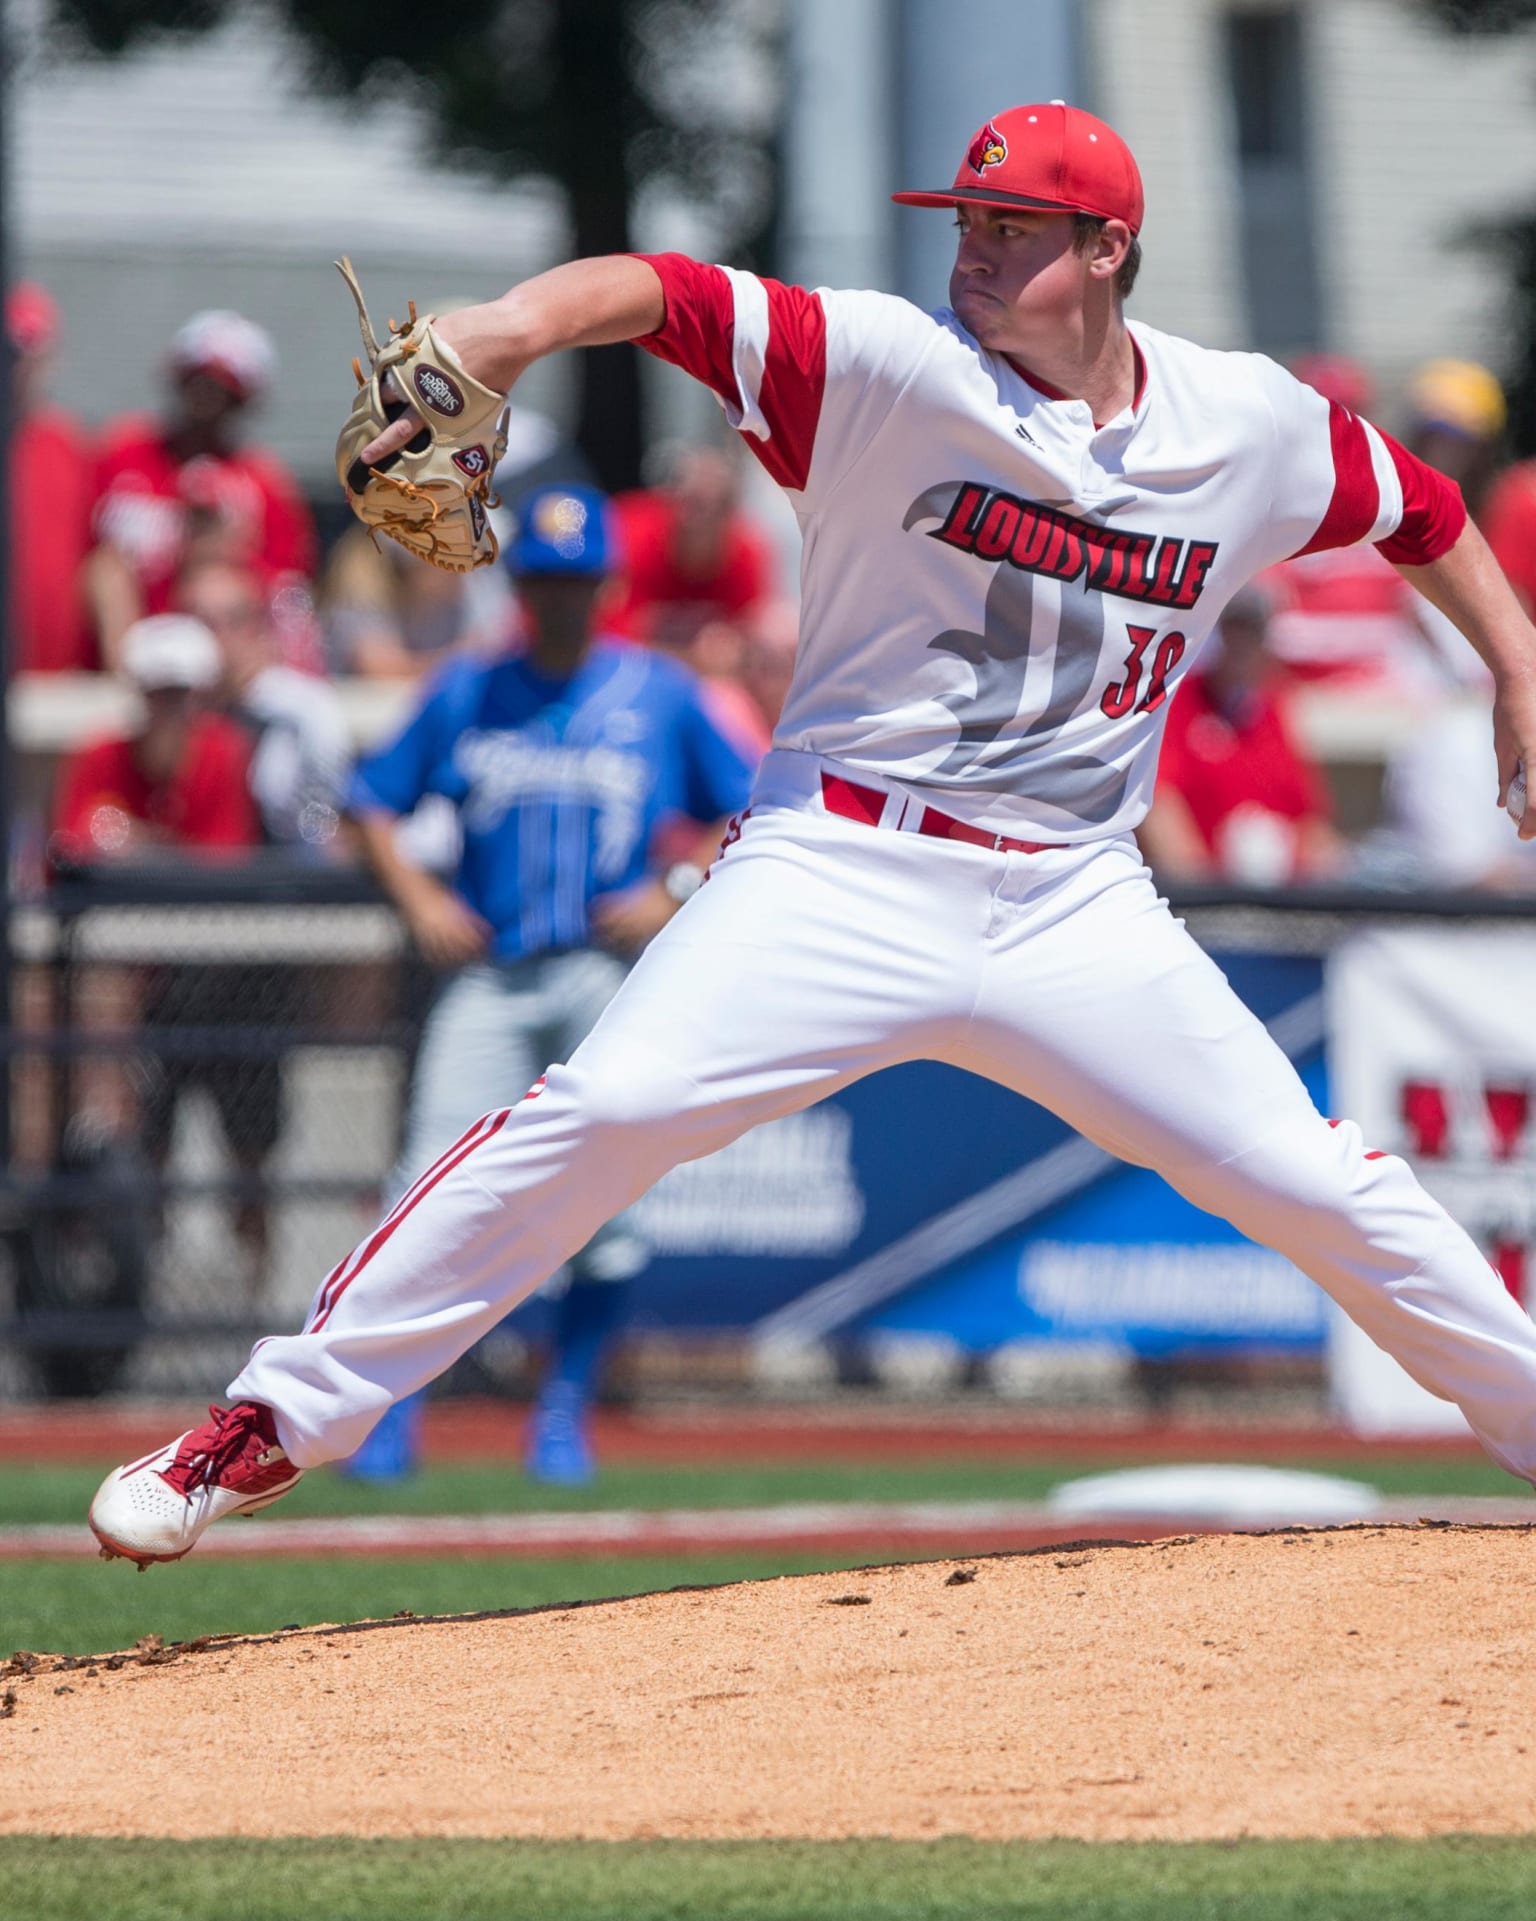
(233, 349)
(170, 650)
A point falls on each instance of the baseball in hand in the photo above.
(1514, 801)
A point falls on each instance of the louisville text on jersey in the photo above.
(995, 525)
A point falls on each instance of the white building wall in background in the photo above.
(956, 66)
(1416, 134)
(1158, 79)
(839, 144)
(1419, 135)
(200, 172)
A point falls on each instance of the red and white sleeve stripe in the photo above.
(1383, 493)
(1433, 515)
(759, 346)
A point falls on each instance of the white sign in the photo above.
(1217, 1289)
(1432, 1050)
(785, 1188)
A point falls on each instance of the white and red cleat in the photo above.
(155, 1509)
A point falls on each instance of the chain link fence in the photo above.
(207, 1078)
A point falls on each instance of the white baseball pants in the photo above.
(497, 1026)
(822, 949)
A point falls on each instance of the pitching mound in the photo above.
(1369, 1681)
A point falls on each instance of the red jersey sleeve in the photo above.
(1340, 481)
(760, 346)
(1433, 510)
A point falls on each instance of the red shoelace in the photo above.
(210, 1451)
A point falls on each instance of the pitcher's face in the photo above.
(1017, 278)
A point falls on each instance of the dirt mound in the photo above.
(1365, 1681)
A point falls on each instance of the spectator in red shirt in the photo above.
(51, 630)
(1237, 797)
(688, 553)
(1509, 526)
(183, 488)
(179, 780)
(1345, 615)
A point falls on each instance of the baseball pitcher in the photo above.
(1022, 516)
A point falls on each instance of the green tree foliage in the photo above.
(611, 98)
(1481, 16)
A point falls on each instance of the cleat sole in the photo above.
(110, 1550)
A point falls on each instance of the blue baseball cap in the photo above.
(561, 530)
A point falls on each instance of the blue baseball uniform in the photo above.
(560, 785)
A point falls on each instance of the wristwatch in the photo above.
(683, 880)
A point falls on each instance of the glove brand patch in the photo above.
(988, 149)
(438, 390)
(473, 461)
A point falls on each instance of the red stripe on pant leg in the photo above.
(339, 1272)
(476, 1127)
(382, 1233)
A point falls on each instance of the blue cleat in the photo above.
(392, 1450)
(558, 1450)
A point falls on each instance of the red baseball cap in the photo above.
(1336, 377)
(31, 317)
(1048, 155)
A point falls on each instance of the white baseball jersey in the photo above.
(1008, 592)
(999, 598)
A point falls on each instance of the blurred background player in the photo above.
(688, 554)
(50, 501)
(178, 782)
(390, 616)
(1345, 616)
(184, 487)
(1237, 796)
(300, 746)
(1456, 416)
(564, 757)
(176, 779)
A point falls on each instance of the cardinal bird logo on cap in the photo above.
(988, 149)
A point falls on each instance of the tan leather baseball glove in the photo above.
(433, 495)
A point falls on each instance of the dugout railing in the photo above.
(207, 1074)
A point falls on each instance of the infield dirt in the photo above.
(1360, 1682)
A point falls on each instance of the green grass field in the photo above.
(87, 1606)
(54, 1493)
(1460, 1879)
